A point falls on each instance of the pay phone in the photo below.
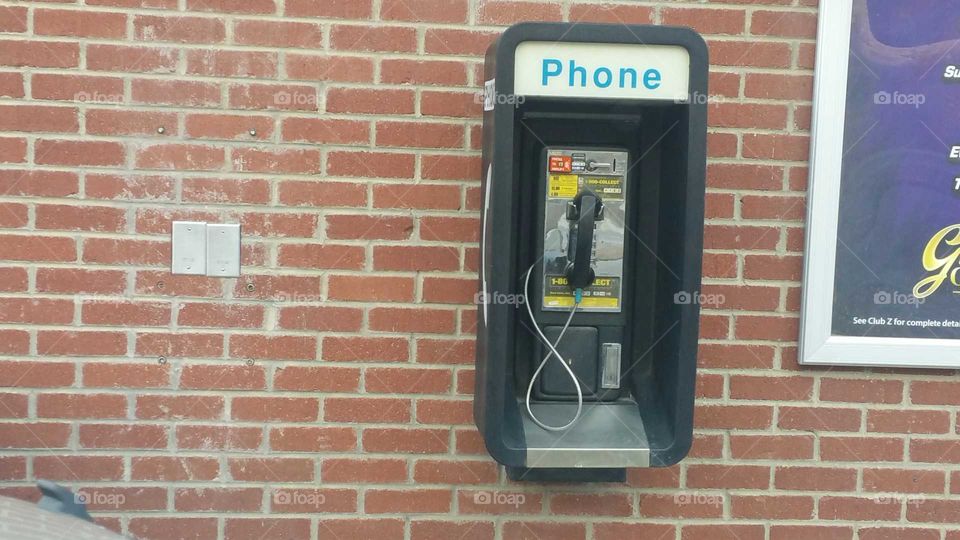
(579, 270)
(593, 215)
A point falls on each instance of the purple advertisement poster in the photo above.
(897, 271)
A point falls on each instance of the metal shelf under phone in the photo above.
(618, 425)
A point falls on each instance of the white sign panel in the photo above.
(602, 70)
(882, 279)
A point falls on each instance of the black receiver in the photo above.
(585, 210)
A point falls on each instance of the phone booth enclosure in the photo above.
(642, 329)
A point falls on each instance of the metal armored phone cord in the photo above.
(553, 352)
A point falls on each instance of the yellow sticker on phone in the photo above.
(562, 186)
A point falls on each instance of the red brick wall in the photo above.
(326, 393)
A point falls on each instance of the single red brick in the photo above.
(370, 164)
(62, 22)
(270, 33)
(366, 410)
(815, 479)
(214, 63)
(11, 85)
(179, 29)
(313, 439)
(273, 96)
(81, 406)
(365, 349)
(408, 380)
(50, 54)
(175, 92)
(123, 436)
(373, 38)
(416, 258)
(343, 9)
(370, 288)
(406, 440)
(423, 72)
(416, 320)
(202, 437)
(328, 131)
(117, 187)
(81, 343)
(34, 435)
(444, 167)
(443, 471)
(441, 11)
(125, 313)
(444, 41)
(85, 89)
(234, 6)
(165, 407)
(782, 447)
(379, 501)
(445, 351)
(73, 468)
(262, 409)
(506, 12)
(321, 318)
(131, 58)
(222, 377)
(174, 468)
(229, 127)
(419, 196)
(294, 161)
(861, 449)
(220, 315)
(151, 528)
(162, 283)
(14, 342)
(371, 470)
(273, 347)
(323, 194)
(271, 469)
(904, 480)
(329, 68)
(317, 379)
(771, 507)
(445, 411)
(257, 528)
(681, 506)
(218, 499)
(123, 375)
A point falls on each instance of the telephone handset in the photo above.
(583, 211)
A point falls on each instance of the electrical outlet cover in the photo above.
(188, 239)
(223, 250)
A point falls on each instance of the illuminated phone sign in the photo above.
(602, 70)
